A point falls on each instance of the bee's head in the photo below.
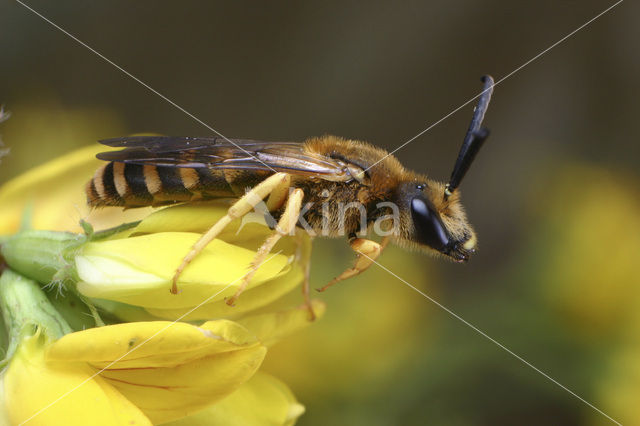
(433, 216)
(432, 223)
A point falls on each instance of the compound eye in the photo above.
(429, 227)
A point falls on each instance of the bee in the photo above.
(295, 179)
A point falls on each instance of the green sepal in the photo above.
(107, 233)
(44, 256)
(25, 310)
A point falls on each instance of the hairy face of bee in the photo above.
(434, 223)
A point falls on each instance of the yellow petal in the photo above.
(251, 299)
(249, 231)
(66, 391)
(164, 394)
(172, 369)
(55, 191)
(138, 270)
(263, 400)
(123, 311)
(273, 326)
(150, 344)
(183, 218)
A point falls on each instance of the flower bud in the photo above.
(26, 309)
(43, 256)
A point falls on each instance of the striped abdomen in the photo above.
(135, 185)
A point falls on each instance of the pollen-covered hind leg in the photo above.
(367, 252)
(286, 224)
(241, 207)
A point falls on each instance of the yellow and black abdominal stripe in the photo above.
(135, 185)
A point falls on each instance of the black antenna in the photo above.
(474, 139)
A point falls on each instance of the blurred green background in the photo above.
(554, 195)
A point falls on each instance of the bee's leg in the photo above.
(367, 252)
(305, 254)
(238, 209)
(305, 291)
(285, 226)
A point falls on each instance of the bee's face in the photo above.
(430, 222)
(432, 217)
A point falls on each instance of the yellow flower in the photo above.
(136, 266)
(155, 372)
(168, 370)
(31, 383)
(149, 371)
(32, 324)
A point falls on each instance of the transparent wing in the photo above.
(220, 153)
